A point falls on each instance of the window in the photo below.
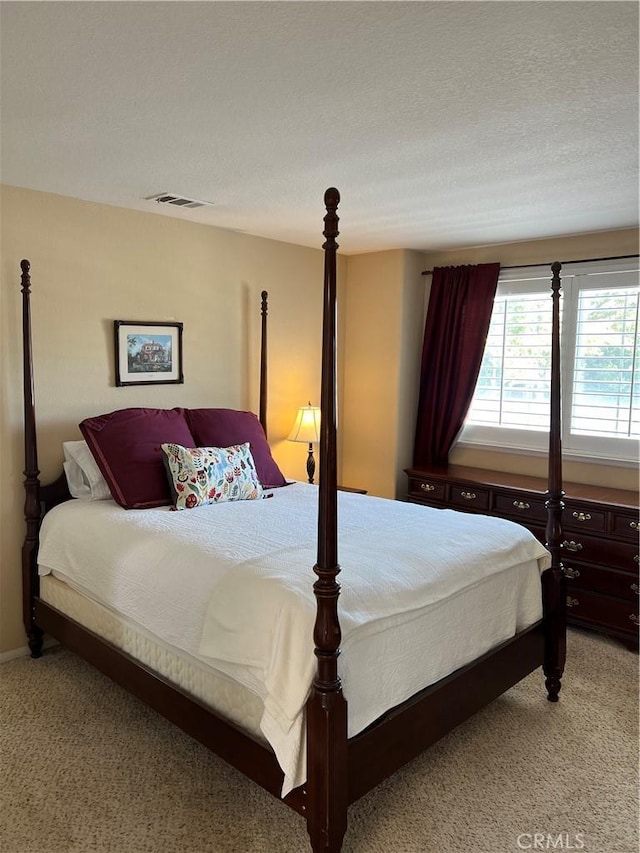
(600, 363)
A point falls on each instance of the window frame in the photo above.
(609, 450)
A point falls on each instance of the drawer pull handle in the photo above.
(635, 588)
(572, 546)
(633, 525)
(636, 559)
(427, 487)
(572, 602)
(521, 505)
(469, 496)
(582, 516)
(571, 573)
(634, 619)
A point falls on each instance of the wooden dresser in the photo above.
(600, 540)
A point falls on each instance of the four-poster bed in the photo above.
(340, 766)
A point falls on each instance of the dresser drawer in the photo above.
(596, 579)
(625, 525)
(468, 497)
(584, 519)
(527, 510)
(592, 549)
(588, 607)
(426, 488)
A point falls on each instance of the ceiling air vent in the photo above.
(178, 201)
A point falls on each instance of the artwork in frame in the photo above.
(148, 353)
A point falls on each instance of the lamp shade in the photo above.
(307, 425)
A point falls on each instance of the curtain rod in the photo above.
(579, 261)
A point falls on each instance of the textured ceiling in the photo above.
(443, 124)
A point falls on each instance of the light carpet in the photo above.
(86, 768)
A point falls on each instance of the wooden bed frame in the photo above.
(340, 769)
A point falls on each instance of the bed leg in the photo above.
(327, 791)
(35, 638)
(555, 641)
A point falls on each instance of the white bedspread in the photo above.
(424, 591)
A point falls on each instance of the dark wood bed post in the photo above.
(327, 791)
(30, 582)
(553, 580)
(263, 361)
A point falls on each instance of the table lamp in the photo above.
(307, 429)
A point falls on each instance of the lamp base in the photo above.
(311, 464)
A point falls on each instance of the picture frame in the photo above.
(148, 353)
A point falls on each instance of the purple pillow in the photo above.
(126, 447)
(224, 427)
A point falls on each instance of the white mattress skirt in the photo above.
(226, 697)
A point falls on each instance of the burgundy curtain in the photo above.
(455, 333)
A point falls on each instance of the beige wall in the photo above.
(415, 298)
(92, 264)
(383, 315)
(371, 315)
(598, 245)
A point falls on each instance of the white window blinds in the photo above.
(600, 364)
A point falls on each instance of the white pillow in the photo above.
(84, 478)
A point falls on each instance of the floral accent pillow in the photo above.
(206, 475)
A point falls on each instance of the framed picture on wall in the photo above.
(148, 353)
